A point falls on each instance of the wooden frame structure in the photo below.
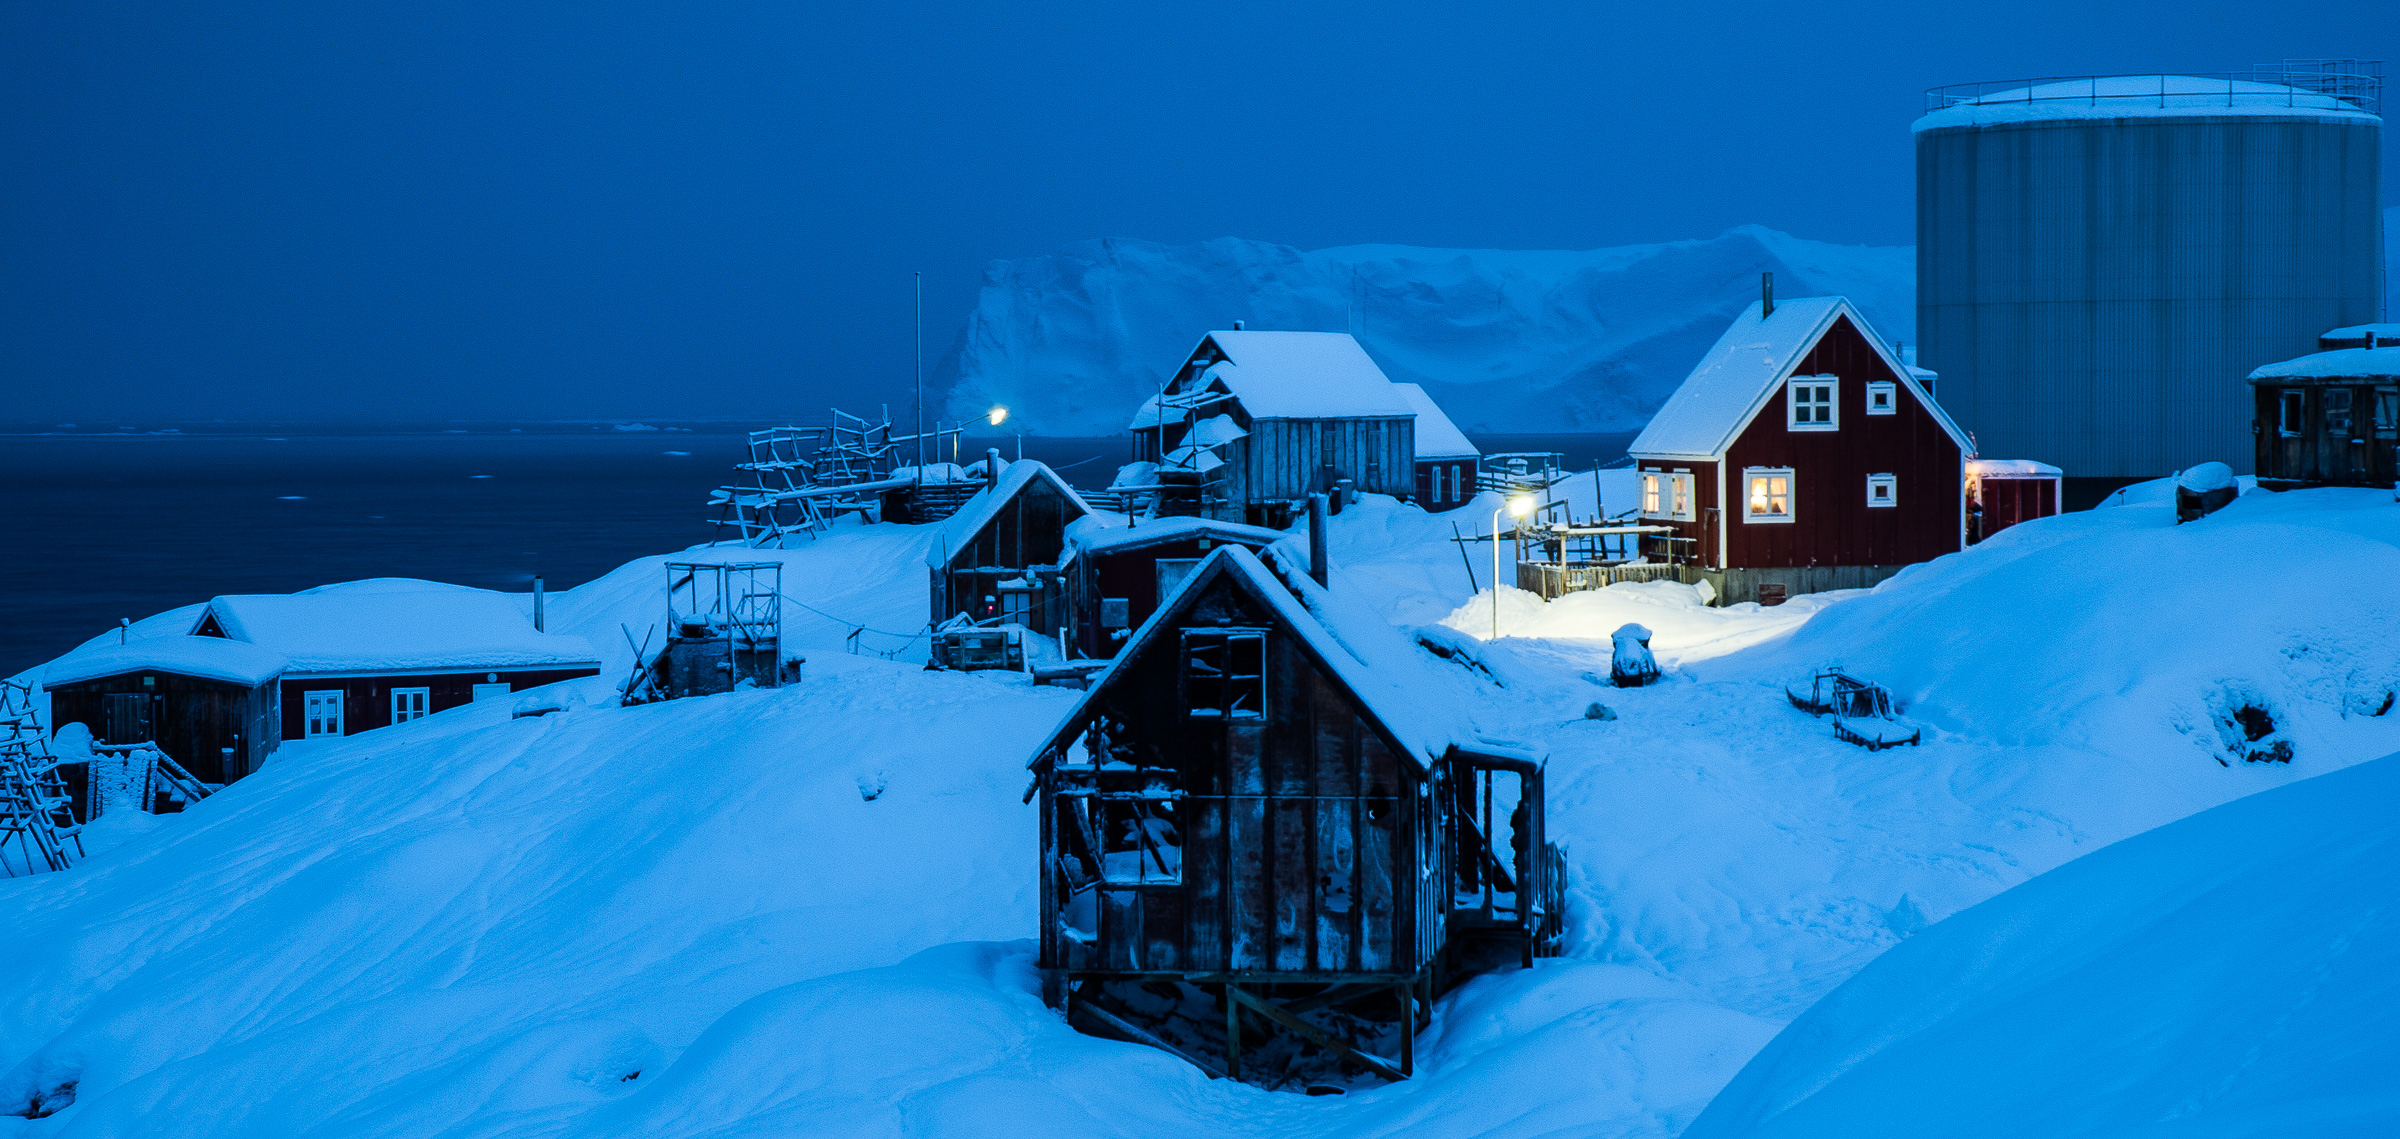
(1237, 805)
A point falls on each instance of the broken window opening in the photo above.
(1224, 673)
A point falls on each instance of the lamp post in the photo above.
(1517, 507)
(999, 415)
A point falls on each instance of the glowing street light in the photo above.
(997, 414)
(1517, 507)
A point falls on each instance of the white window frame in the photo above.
(491, 691)
(327, 722)
(1791, 486)
(411, 704)
(1886, 391)
(1829, 386)
(1891, 486)
(1652, 495)
(2291, 412)
(1679, 497)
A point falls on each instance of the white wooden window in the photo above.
(2293, 405)
(1651, 496)
(490, 691)
(323, 714)
(1883, 398)
(1679, 497)
(1770, 494)
(1883, 490)
(409, 704)
(1812, 404)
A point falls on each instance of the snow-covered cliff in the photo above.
(1072, 342)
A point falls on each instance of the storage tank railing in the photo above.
(2356, 83)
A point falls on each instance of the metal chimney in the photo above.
(1766, 295)
(537, 603)
(991, 465)
(1317, 557)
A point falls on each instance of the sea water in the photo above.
(126, 523)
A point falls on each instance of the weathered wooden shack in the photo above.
(2330, 418)
(1254, 799)
(210, 704)
(1116, 576)
(1446, 461)
(2004, 492)
(1268, 418)
(1800, 456)
(372, 654)
(997, 559)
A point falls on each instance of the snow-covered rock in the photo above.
(1074, 341)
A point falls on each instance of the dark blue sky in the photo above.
(583, 210)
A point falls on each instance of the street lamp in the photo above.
(1517, 507)
(999, 415)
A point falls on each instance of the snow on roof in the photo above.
(1437, 437)
(1193, 458)
(2011, 469)
(959, 530)
(394, 626)
(1354, 643)
(1303, 375)
(1147, 416)
(2371, 363)
(211, 658)
(1212, 431)
(2138, 96)
(1744, 371)
(2362, 331)
(1089, 536)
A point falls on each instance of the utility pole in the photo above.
(920, 291)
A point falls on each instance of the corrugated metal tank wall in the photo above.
(2094, 291)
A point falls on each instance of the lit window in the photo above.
(1881, 398)
(2337, 412)
(1224, 673)
(1679, 502)
(1770, 494)
(2294, 415)
(1812, 404)
(1883, 490)
(1650, 497)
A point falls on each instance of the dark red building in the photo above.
(1446, 461)
(1116, 576)
(370, 654)
(2004, 492)
(1800, 455)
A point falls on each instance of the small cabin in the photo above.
(2330, 418)
(371, 654)
(210, 704)
(1800, 455)
(997, 559)
(1116, 576)
(1261, 796)
(2004, 492)
(1264, 419)
(2360, 336)
(1446, 462)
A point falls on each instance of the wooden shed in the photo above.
(210, 704)
(997, 559)
(371, 654)
(2004, 492)
(2329, 418)
(1268, 418)
(1255, 799)
(1116, 576)
(1446, 461)
(1800, 456)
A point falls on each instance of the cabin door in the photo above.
(127, 718)
(323, 714)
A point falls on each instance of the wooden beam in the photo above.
(1374, 1064)
(1117, 1023)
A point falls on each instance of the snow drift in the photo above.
(2235, 973)
(1074, 341)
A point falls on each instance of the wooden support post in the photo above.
(1407, 992)
(1233, 1034)
(1375, 1064)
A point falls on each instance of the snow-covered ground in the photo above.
(690, 918)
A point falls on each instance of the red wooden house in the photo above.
(1800, 455)
(371, 654)
(1117, 576)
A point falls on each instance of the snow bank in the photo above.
(2235, 973)
(1076, 341)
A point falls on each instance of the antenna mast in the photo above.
(920, 296)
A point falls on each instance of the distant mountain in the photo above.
(1072, 342)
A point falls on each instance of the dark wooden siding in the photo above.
(1457, 483)
(1130, 573)
(367, 700)
(1029, 530)
(2322, 454)
(1285, 459)
(2006, 502)
(1296, 852)
(192, 719)
(1832, 524)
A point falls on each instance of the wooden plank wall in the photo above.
(193, 720)
(2362, 456)
(1283, 458)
